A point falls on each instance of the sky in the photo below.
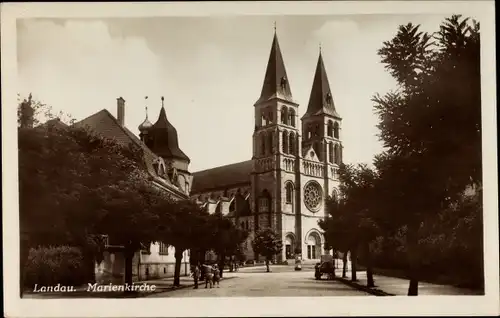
(210, 71)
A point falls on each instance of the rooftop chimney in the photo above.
(120, 104)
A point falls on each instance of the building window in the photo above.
(291, 144)
(285, 141)
(264, 204)
(336, 130)
(291, 115)
(163, 249)
(289, 192)
(313, 196)
(284, 116)
(247, 226)
(329, 129)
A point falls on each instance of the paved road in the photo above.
(283, 281)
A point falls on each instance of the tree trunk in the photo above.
(177, 272)
(267, 265)
(89, 265)
(412, 244)
(369, 267)
(129, 256)
(354, 257)
(344, 265)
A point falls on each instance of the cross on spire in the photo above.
(274, 26)
(162, 100)
(146, 108)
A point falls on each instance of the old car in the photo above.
(325, 267)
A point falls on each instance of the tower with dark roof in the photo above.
(161, 137)
(276, 144)
(321, 123)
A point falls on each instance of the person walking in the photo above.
(196, 275)
(208, 276)
(216, 275)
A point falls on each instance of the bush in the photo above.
(54, 265)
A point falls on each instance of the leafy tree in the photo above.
(184, 225)
(430, 126)
(62, 182)
(351, 218)
(227, 239)
(267, 243)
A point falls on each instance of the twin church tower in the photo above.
(293, 169)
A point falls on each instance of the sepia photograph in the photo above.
(249, 156)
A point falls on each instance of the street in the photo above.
(282, 281)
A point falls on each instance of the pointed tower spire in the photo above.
(276, 84)
(321, 100)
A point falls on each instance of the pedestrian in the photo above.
(208, 276)
(196, 275)
(216, 275)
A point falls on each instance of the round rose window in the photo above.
(312, 196)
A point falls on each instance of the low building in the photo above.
(167, 166)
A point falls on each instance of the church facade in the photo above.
(293, 168)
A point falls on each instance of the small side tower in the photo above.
(163, 141)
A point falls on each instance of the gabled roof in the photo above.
(222, 177)
(321, 100)
(276, 83)
(107, 126)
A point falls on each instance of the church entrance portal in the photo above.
(313, 246)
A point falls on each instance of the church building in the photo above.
(293, 169)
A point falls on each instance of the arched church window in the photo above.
(242, 225)
(336, 155)
(330, 152)
(284, 116)
(263, 118)
(285, 141)
(270, 117)
(291, 144)
(291, 114)
(289, 192)
(329, 129)
(336, 130)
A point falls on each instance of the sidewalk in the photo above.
(392, 286)
(161, 285)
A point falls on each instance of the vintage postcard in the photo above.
(249, 159)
